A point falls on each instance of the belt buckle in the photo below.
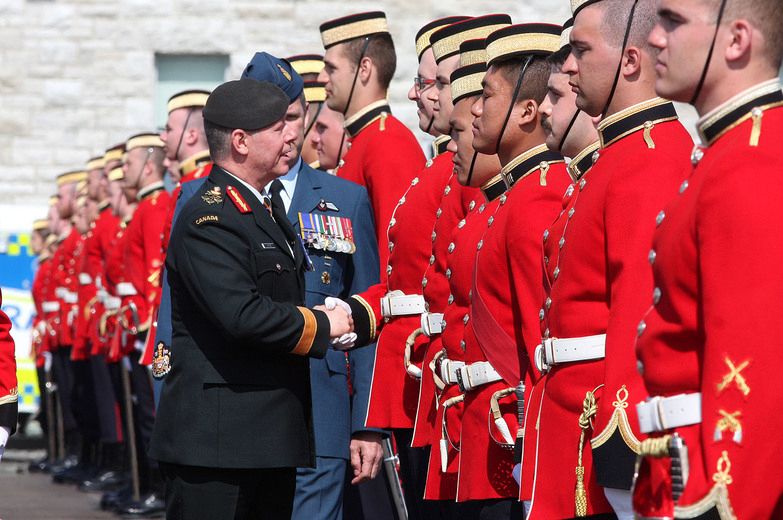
(461, 378)
(540, 356)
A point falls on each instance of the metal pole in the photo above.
(51, 420)
(60, 425)
(134, 463)
(390, 466)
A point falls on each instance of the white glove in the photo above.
(4, 434)
(345, 342)
(332, 303)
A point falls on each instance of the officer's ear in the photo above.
(239, 142)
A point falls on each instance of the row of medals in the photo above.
(327, 243)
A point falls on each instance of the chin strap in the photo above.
(627, 36)
(350, 94)
(182, 134)
(706, 69)
(568, 130)
(517, 88)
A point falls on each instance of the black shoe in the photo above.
(40, 466)
(110, 500)
(105, 481)
(150, 506)
(63, 464)
(75, 474)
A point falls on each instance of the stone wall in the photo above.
(77, 76)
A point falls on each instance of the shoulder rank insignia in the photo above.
(238, 200)
(161, 362)
(326, 206)
(212, 196)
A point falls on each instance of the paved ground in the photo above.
(32, 496)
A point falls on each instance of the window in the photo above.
(178, 72)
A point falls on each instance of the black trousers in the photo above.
(196, 493)
(413, 473)
(83, 401)
(62, 373)
(107, 404)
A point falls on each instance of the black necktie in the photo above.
(278, 211)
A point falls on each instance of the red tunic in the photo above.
(8, 391)
(144, 255)
(66, 282)
(39, 290)
(86, 293)
(459, 275)
(716, 317)
(394, 393)
(383, 156)
(98, 250)
(117, 341)
(436, 293)
(508, 285)
(597, 283)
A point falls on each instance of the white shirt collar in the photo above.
(248, 186)
(289, 184)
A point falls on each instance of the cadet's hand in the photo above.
(366, 456)
(340, 322)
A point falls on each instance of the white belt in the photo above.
(432, 323)
(663, 413)
(556, 351)
(85, 279)
(475, 375)
(126, 289)
(66, 296)
(398, 304)
(112, 303)
(448, 370)
(50, 306)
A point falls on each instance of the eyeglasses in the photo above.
(422, 84)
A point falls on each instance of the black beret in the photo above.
(246, 104)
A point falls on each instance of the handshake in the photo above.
(340, 323)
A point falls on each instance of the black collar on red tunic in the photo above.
(439, 145)
(494, 188)
(529, 162)
(737, 112)
(146, 193)
(361, 122)
(583, 161)
(635, 118)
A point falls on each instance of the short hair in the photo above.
(557, 59)
(380, 50)
(765, 15)
(615, 22)
(534, 85)
(218, 140)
